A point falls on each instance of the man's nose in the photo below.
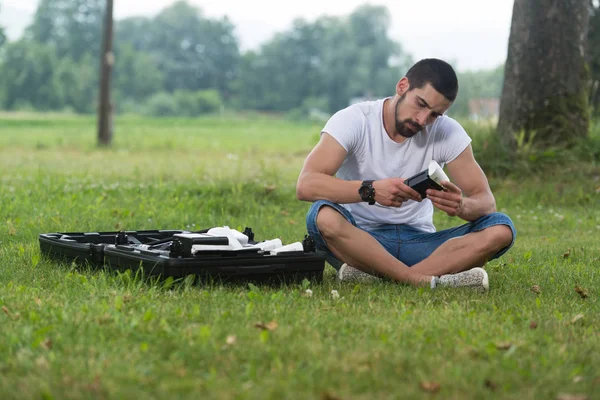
(422, 117)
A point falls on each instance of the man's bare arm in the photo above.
(317, 181)
(468, 178)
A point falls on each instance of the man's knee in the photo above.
(496, 238)
(330, 222)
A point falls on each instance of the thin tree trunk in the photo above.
(545, 93)
(105, 125)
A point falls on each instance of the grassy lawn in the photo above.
(71, 332)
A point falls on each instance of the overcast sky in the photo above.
(471, 34)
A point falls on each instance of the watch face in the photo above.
(366, 191)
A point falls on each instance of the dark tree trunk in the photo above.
(545, 93)
(105, 125)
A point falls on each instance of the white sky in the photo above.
(471, 34)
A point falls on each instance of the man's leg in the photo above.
(466, 252)
(361, 250)
(465, 247)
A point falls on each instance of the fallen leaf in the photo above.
(41, 362)
(11, 229)
(503, 345)
(270, 188)
(47, 344)
(490, 385)
(271, 326)
(567, 254)
(577, 379)
(38, 301)
(536, 289)
(581, 292)
(96, 385)
(230, 339)
(285, 213)
(431, 387)
(576, 318)
(567, 396)
(533, 325)
(292, 222)
(472, 352)
(329, 396)
(5, 309)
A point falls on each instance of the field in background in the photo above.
(69, 332)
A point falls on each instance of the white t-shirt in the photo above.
(372, 154)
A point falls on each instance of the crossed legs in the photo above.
(361, 250)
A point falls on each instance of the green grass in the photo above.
(71, 332)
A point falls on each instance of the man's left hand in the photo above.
(449, 201)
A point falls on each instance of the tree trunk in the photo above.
(545, 94)
(105, 125)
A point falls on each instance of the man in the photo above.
(367, 219)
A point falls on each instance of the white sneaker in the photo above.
(346, 273)
(476, 278)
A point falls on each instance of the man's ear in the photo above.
(402, 86)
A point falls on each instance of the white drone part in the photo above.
(297, 246)
(270, 244)
(436, 172)
(227, 231)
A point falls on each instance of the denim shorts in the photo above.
(406, 243)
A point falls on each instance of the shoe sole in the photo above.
(340, 273)
(485, 282)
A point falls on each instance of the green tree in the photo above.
(287, 70)
(26, 76)
(327, 61)
(136, 76)
(2, 34)
(368, 27)
(191, 51)
(77, 83)
(73, 27)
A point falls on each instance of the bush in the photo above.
(495, 158)
(208, 101)
(184, 103)
(161, 105)
(312, 109)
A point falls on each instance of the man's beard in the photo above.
(404, 127)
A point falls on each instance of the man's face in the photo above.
(418, 108)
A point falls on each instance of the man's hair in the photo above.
(438, 73)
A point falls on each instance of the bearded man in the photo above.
(369, 222)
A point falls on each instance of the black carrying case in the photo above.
(88, 247)
(166, 256)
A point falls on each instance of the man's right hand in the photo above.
(392, 192)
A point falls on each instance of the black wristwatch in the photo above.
(367, 192)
